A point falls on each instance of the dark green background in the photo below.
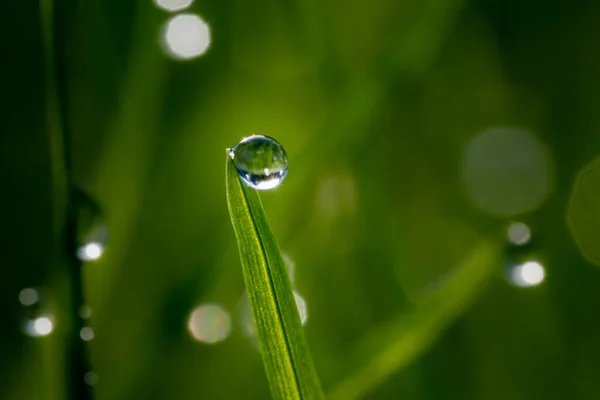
(380, 96)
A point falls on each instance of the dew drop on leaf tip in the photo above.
(261, 161)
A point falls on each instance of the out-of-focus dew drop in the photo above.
(518, 233)
(85, 311)
(527, 274)
(209, 323)
(186, 36)
(28, 296)
(583, 213)
(92, 230)
(506, 171)
(37, 322)
(90, 378)
(39, 326)
(173, 5)
(86, 333)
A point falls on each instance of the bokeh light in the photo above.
(28, 296)
(90, 251)
(90, 378)
(530, 273)
(86, 333)
(41, 326)
(506, 171)
(186, 36)
(209, 323)
(518, 233)
(85, 311)
(584, 211)
(173, 5)
(290, 266)
(302, 309)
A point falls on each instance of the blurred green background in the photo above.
(416, 132)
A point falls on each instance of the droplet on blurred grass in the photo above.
(506, 171)
(209, 323)
(186, 36)
(173, 5)
(90, 378)
(527, 274)
(85, 311)
(40, 326)
(86, 333)
(28, 296)
(261, 162)
(92, 230)
(37, 321)
(518, 233)
(583, 213)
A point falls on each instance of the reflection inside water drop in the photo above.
(261, 162)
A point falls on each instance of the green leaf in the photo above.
(285, 353)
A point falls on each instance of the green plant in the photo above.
(284, 349)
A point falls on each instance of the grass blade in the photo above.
(285, 353)
(405, 338)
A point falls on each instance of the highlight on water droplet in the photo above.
(28, 296)
(261, 161)
(40, 326)
(518, 233)
(527, 274)
(186, 36)
(173, 5)
(209, 323)
(86, 333)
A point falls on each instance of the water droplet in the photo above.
(85, 311)
(92, 230)
(518, 233)
(209, 323)
(86, 333)
(261, 161)
(527, 274)
(173, 5)
(90, 378)
(40, 326)
(29, 296)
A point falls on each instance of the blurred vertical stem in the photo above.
(76, 362)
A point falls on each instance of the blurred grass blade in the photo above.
(401, 341)
(285, 353)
